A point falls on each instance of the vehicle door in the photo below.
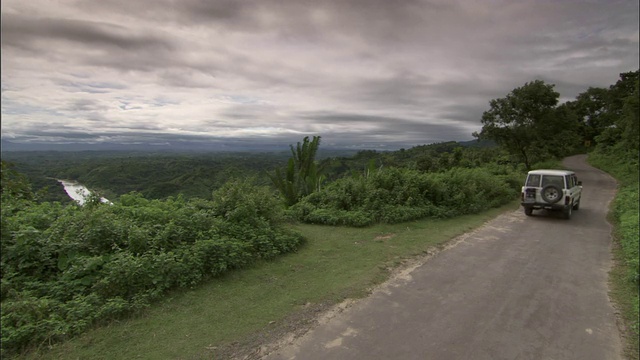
(573, 190)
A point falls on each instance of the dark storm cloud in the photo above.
(413, 130)
(355, 119)
(288, 17)
(85, 105)
(20, 30)
(95, 43)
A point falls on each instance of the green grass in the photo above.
(625, 295)
(623, 214)
(246, 308)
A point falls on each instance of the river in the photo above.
(78, 192)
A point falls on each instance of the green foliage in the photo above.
(395, 195)
(609, 116)
(154, 175)
(549, 164)
(591, 109)
(65, 267)
(302, 175)
(529, 124)
(13, 184)
(626, 214)
(629, 120)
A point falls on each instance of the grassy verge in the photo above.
(247, 308)
(624, 217)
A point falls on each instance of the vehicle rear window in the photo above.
(533, 180)
(557, 180)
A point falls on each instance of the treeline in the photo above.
(531, 125)
(613, 116)
(196, 175)
(154, 175)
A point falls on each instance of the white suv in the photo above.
(551, 190)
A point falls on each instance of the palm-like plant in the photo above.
(302, 175)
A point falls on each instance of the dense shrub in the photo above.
(65, 268)
(398, 194)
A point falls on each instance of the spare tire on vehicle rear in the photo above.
(551, 194)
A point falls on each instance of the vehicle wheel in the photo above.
(567, 212)
(551, 194)
(528, 211)
(576, 206)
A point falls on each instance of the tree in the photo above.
(591, 108)
(600, 111)
(559, 133)
(620, 91)
(528, 124)
(302, 175)
(630, 120)
(622, 107)
(14, 185)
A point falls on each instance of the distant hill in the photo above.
(478, 143)
(169, 147)
(190, 146)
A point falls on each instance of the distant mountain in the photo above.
(192, 146)
(169, 147)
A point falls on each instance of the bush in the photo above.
(395, 195)
(65, 268)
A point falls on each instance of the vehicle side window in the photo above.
(569, 179)
(533, 180)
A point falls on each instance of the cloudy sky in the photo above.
(362, 73)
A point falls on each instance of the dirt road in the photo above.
(517, 288)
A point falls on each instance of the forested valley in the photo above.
(178, 219)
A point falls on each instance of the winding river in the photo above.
(78, 192)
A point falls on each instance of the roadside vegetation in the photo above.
(190, 222)
(617, 153)
(395, 195)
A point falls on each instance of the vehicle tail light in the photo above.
(567, 199)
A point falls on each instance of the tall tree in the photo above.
(591, 108)
(600, 111)
(529, 125)
(622, 97)
(620, 91)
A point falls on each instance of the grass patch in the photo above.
(246, 308)
(623, 214)
(624, 294)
